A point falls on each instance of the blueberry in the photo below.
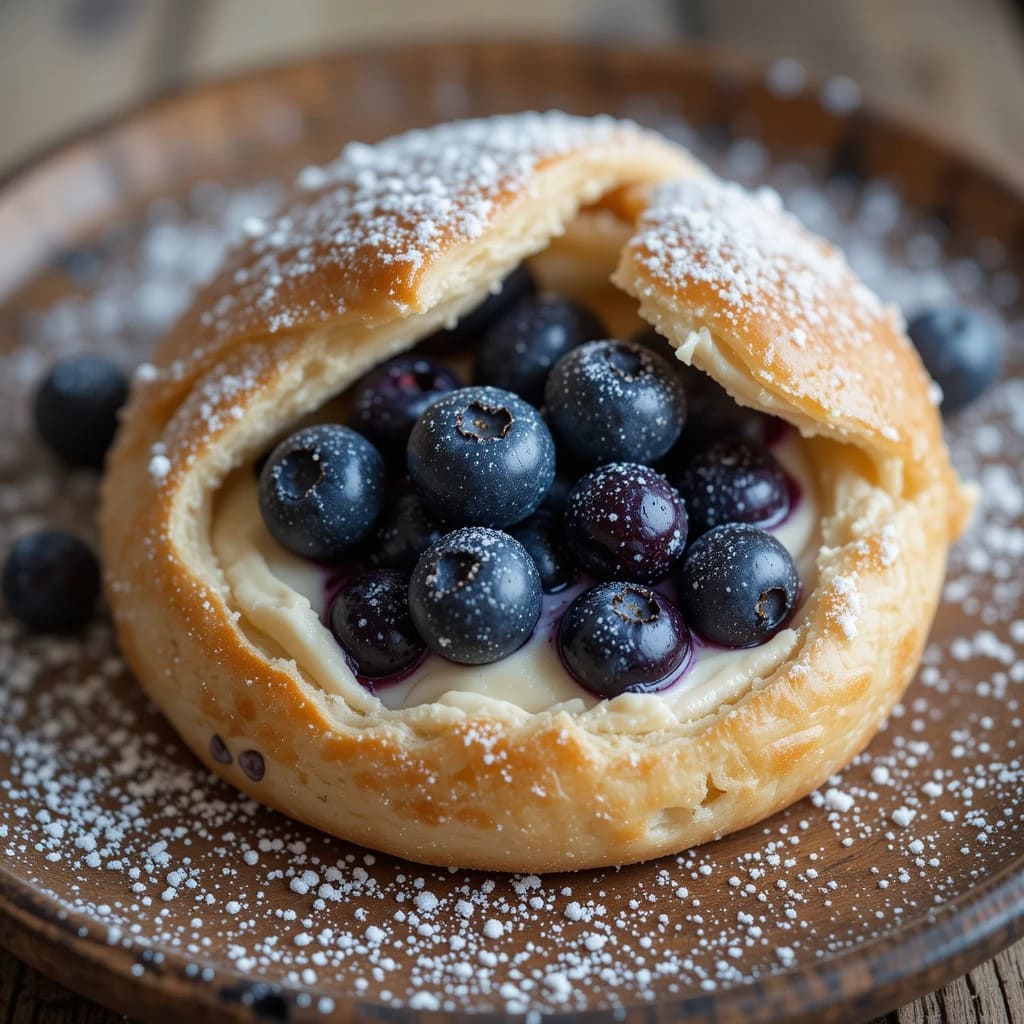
(322, 490)
(481, 456)
(625, 521)
(960, 350)
(370, 618)
(734, 481)
(469, 329)
(610, 401)
(518, 352)
(710, 412)
(558, 493)
(650, 339)
(76, 408)
(51, 581)
(542, 537)
(394, 396)
(623, 638)
(738, 586)
(406, 530)
(475, 596)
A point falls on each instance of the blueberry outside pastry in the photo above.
(524, 497)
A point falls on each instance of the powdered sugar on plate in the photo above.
(139, 847)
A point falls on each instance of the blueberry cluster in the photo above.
(503, 500)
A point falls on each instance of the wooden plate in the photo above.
(132, 876)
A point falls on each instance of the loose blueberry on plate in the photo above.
(625, 521)
(76, 408)
(475, 596)
(370, 618)
(623, 638)
(390, 400)
(51, 581)
(738, 586)
(468, 330)
(518, 352)
(406, 530)
(481, 456)
(542, 537)
(322, 490)
(610, 401)
(734, 481)
(960, 350)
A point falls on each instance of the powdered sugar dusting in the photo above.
(848, 604)
(159, 466)
(719, 233)
(751, 269)
(105, 816)
(367, 224)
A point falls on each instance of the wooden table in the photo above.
(957, 65)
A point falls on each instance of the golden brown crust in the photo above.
(545, 791)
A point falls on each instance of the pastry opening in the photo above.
(283, 601)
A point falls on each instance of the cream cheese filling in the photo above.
(280, 599)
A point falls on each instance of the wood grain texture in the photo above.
(923, 56)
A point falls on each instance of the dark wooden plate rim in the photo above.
(852, 984)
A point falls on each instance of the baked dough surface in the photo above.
(377, 251)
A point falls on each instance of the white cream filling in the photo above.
(279, 597)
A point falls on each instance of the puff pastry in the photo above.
(374, 253)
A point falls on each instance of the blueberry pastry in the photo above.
(523, 497)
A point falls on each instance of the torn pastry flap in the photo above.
(776, 315)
